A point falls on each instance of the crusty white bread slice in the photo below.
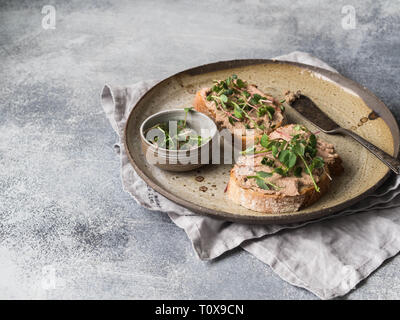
(209, 108)
(257, 199)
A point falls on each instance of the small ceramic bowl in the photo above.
(179, 160)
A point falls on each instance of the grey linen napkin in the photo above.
(327, 258)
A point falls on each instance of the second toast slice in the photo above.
(241, 108)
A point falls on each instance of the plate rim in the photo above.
(337, 78)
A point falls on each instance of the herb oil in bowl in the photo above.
(179, 136)
(178, 139)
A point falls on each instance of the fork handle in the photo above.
(387, 159)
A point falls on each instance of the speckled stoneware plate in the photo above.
(349, 104)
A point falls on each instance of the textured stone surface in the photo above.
(63, 212)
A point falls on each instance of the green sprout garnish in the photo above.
(291, 154)
(184, 139)
(232, 97)
(186, 113)
(262, 182)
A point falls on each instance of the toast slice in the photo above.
(273, 178)
(241, 108)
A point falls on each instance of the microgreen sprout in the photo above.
(232, 97)
(262, 182)
(301, 149)
(183, 139)
(186, 113)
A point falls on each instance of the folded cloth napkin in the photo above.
(327, 258)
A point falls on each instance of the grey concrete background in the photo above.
(67, 229)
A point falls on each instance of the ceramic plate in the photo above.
(349, 104)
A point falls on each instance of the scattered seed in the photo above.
(364, 119)
(373, 115)
(203, 188)
(199, 178)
